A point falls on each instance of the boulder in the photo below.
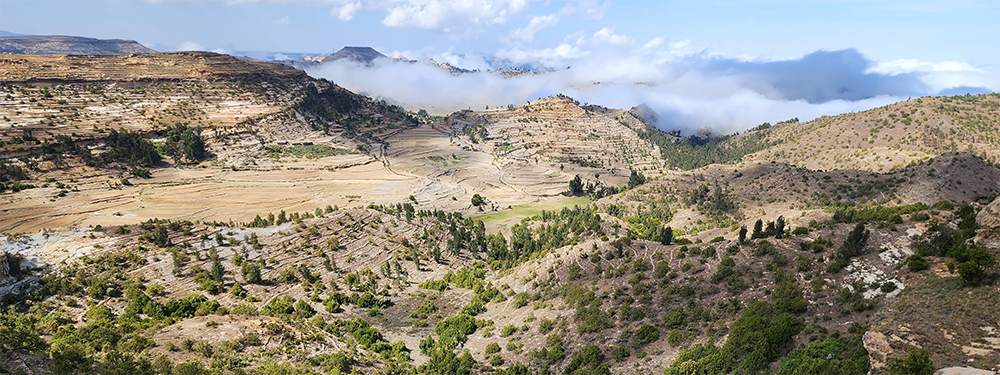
(963, 371)
(989, 224)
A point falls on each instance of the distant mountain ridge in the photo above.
(8, 33)
(367, 56)
(364, 55)
(68, 45)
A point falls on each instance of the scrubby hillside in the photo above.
(193, 213)
(892, 136)
(879, 140)
(400, 290)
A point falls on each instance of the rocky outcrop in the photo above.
(989, 224)
(68, 45)
(13, 280)
(646, 114)
(454, 70)
(878, 349)
(963, 371)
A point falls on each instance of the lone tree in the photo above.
(758, 229)
(779, 227)
(666, 235)
(576, 186)
(974, 262)
(636, 179)
(855, 242)
(743, 234)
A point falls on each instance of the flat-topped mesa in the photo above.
(358, 54)
(146, 67)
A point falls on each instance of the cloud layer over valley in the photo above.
(690, 88)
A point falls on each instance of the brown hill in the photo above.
(892, 136)
(148, 68)
(68, 45)
(249, 114)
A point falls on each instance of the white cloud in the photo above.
(655, 42)
(539, 23)
(910, 65)
(687, 101)
(449, 16)
(282, 21)
(550, 57)
(190, 46)
(258, 2)
(595, 12)
(681, 45)
(691, 89)
(943, 75)
(346, 12)
(607, 34)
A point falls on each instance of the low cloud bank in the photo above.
(689, 90)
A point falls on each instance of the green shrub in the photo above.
(619, 354)
(917, 362)
(833, 356)
(508, 331)
(763, 248)
(592, 319)
(888, 287)
(279, 307)
(491, 348)
(647, 334)
(675, 338)
(304, 310)
(287, 276)
(917, 263)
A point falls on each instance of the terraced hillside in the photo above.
(59, 112)
(557, 130)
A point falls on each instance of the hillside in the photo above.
(577, 289)
(892, 136)
(880, 139)
(195, 213)
(58, 112)
(68, 45)
(523, 156)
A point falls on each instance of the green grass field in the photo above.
(528, 210)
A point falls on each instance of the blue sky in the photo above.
(700, 56)
(966, 31)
